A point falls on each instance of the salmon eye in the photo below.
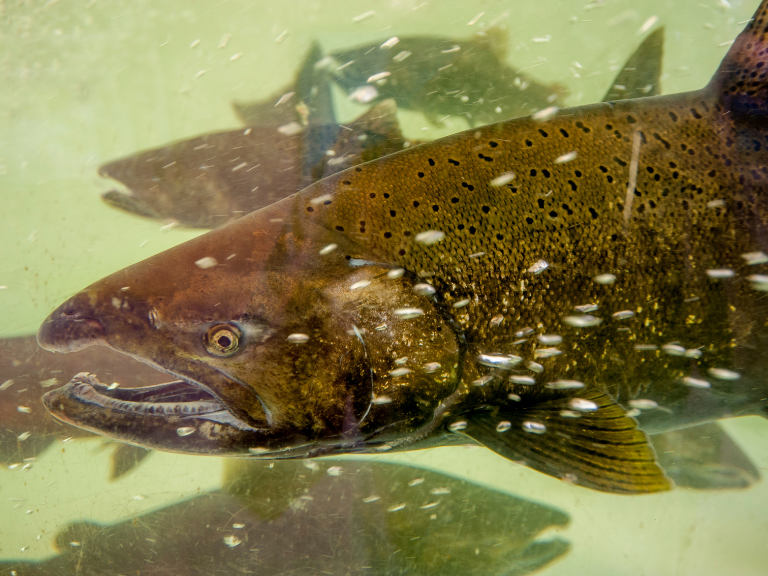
(222, 340)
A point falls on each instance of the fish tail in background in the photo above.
(124, 459)
(589, 441)
(640, 76)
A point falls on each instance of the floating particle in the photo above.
(753, 258)
(75, 544)
(429, 237)
(546, 352)
(396, 507)
(442, 491)
(48, 383)
(544, 114)
(334, 471)
(644, 347)
(584, 321)
(298, 338)
(139, 497)
(364, 94)
(514, 397)
(724, 374)
(194, 43)
(5, 385)
(496, 320)
(401, 361)
(232, 541)
(185, 431)
(328, 249)
(395, 273)
(371, 498)
(673, 349)
(519, 379)
(719, 203)
(477, 255)
(535, 367)
(113, 386)
(461, 303)
(281, 37)
(258, 450)
(647, 25)
(311, 465)
(720, 273)
(549, 339)
(416, 482)
(503, 426)
(408, 313)
(380, 327)
(524, 332)
(643, 404)
(290, 129)
(24, 435)
(570, 414)
(563, 158)
(534, 427)
(390, 43)
(565, 385)
(206, 262)
(238, 526)
(364, 16)
(605, 279)
(502, 362)
(503, 179)
(424, 289)
(475, 19)
(482, 381)
(693, 353)
(456, 426)
(541, 39)
(538, 267)
(430, 367)
(360, 284)
(582, 405)
(67, 440)
(378, 76)
(759, 282)
(235, 57)
(24, 409)
(622, 315)
(586, 308)
(695, 382)
(633, 413)
(401, 56)
(428, 506)
(399, 372)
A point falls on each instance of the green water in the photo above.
(85, 82)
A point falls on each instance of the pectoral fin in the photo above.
(601, 449)
(704, 457)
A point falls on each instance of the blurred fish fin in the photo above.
(129, 204)
(640, 75)
(704, 457)
(124, 459)
(589, 441)
(495, 39)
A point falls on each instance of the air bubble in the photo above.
(643, 404)
(584, 321)
(534, 427)
(622, 315)
(457, 426)
(724, 374)
(582, 405)
(501, 362)
(695, 382)
(605, 279)
(538, 267)
(565, 385)
(524, 380)
(503, 426)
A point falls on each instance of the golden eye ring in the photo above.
(222, 340)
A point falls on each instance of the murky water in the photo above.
(83, 83)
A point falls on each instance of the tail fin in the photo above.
(741, 82)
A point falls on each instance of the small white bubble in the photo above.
(645, 347)
(364, 94)
(258, 450)
(759, 282)
(430, 237)
(395, 273)
(582, 405)
(524, 332)
(563, 158)
(390, 43)
(720, 273)
(753, 258)
(695, 382)
(622, 315)
(549, 339)
(534, 427)
(321, 199)
(334, 471)
(496, 320)
(673, 349)
(501, 362)
(378, 76)
(238, 526)
(503, 426)
(456, 426)
(408, 313)
(185, 431)
(328, 249)
(23, 409)
(538, 267)
(424, 289)
(585, 308)
(381, 400)
(372, 498)
(584, 321)
(291, 129)
(718, 203)
(482, 381)
(724, 374)
(524, 380)
(298, 338)
(461, 303)
(503, 179)
(605, 279)
(399, 372)
(546, 352)
(643, 404)
(693, 353)
(565, 385)
(440, 491)
(232, 541)
(570, 414)
(311, 465)
(514, 397)
(633, 413)
(416, 482)
(24, 435)
(545, 114)
(206, 262)
(360, 284)
(401, 56)
(430, 367)
(535, 367)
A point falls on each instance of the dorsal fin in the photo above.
(741, 81)
(639, 77)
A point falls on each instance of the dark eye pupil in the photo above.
(224, 341)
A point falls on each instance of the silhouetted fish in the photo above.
(538, 285)
(286, 518)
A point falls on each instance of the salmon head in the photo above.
(277, 341)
